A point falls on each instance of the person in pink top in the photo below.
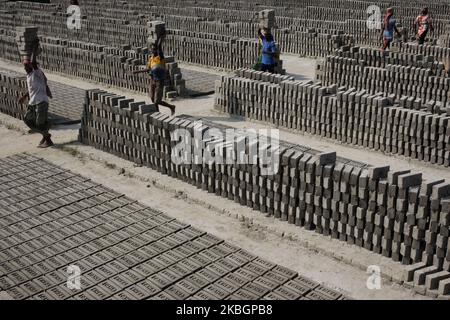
(423, 25)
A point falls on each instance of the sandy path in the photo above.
(328, 261)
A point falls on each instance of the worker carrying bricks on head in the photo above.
(268, 50)
(158, 72)
(389, 26)
(423, 25)
(36, 117)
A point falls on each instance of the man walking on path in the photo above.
(157, 68)
(423, 25)
(36, 117)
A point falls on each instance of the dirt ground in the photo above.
(327, 261)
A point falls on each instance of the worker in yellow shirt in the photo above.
(157, 68)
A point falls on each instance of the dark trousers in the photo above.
(36, 118)
(268, 68)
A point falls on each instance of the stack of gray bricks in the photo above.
(266, 19)
(125, 250)
(432, 274)
(118, 32)
(11, 89)
(371, 207)
(156, 30)
(350, 116)
(102, 25)
(26, 39)
(65, 107)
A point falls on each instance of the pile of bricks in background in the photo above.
(27, 39)
(397, 214)
(349, 116)
(312, 42)
(65, 107)
(325, 28)
(51, 218)
(414, 79)
(444, 41)
(12, 88)
(438, 52)
(157, 30)
(99, 63)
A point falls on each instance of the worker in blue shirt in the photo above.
(269, 50)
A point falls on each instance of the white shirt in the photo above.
(37, 88)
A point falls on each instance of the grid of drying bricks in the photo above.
(349, 116)
(101, 63)
(216, 51)
(66, 106)
(51, 218)
(397, 214)
(412, 78)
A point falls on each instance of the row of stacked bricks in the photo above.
(431, 275)
(26, 39)
(395, 213)
(212, 50)
(313, 42)
(420, 82)
(350, 18)
(301, 42)
(350, 116)
(156, 31)
(108, 65)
